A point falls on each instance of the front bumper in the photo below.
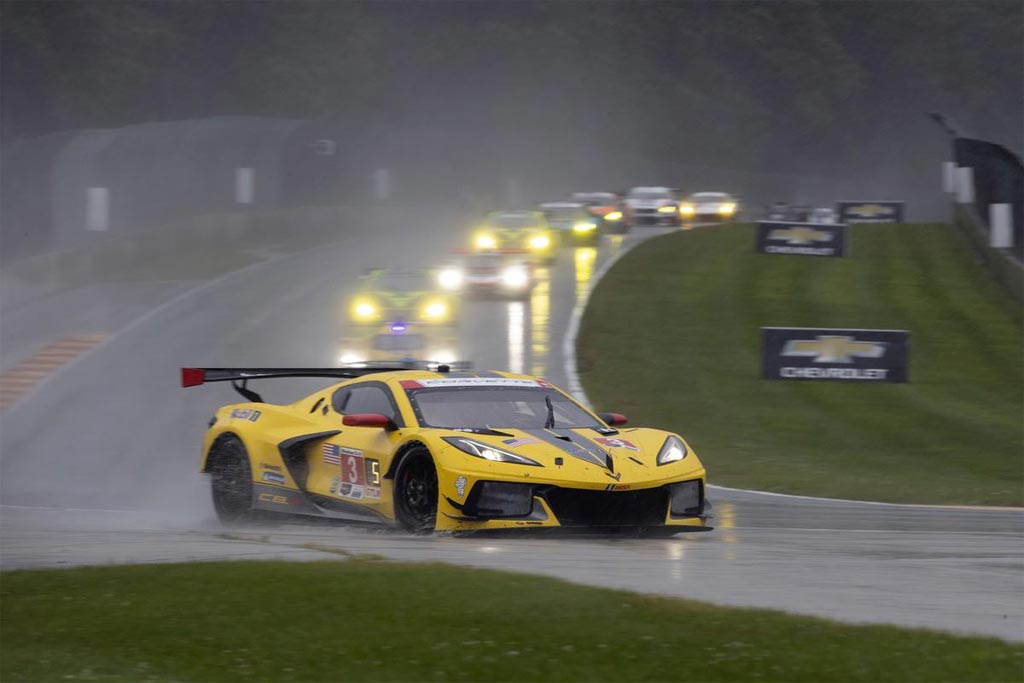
(503, 505)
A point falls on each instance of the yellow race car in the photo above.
(402, 295)
(443, 450)
(524, 232)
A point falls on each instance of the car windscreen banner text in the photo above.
(870, 211)
(831, 354)
(804, 239)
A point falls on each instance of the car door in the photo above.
(350, 465)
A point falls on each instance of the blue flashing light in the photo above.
(398, 328)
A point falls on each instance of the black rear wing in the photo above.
(239, 377)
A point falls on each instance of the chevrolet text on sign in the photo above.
(870, 211)
(806, 239)
(830, 354)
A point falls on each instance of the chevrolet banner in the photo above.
(829, 354)
(807, 239)
(870, 212)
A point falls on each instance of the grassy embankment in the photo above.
(671, 338)
(372, 621)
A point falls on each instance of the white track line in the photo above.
(576, 389)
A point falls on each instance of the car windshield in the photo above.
(484, 261)
(650, 193)
(563, 213)
(595, 198)
(496, 407)
(405, 282)
(514, 220)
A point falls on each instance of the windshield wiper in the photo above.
(550, 422)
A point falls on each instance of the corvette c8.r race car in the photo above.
(446, 451)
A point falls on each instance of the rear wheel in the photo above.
(416, 492)
(231, 481)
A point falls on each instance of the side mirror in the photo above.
(367, 420)
(613, 419)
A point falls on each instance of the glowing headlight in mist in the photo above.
(450, 278)
(364, 311)
(349, 358)
(582, 226)
(727, 209)
(435, 310)
(485, 241)
(613, 216)
(669, 208)
(540, 242)
(687, 210)
(443, 356)
(515, 277)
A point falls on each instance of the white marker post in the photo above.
(949, 177)
(97, 209)
(245, 185)
(1000, 225)
(382, 184)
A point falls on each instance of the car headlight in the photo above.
(450, 278)
(482, 450)
(727, 209)
(539, 242)
(583, 226)
(443, 356)
(435, 310)
(687, 210)
(674, 450)
(485, 241)
(349, 358)
(515, 277)
(613, 216)
(364, 310)
(668, 208)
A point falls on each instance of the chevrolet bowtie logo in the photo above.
(869, 210)
(829, 349)
(800, 235)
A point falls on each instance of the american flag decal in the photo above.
(331, 454)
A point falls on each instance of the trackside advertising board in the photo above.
(870, 211)
(806, 239)
(830, 354)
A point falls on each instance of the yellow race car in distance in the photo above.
(524, 232)
(402, 295)
(440, 450)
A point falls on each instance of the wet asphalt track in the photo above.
(99, 466)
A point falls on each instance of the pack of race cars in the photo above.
(412, 438)
(413, 314)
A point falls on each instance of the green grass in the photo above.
(326, 621)
(688, 359)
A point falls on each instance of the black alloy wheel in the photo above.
(231, 481)
(416, 492)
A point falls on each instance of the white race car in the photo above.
(651, 206)
(709, 206)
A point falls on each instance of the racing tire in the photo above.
(231, 481)
(416, 492)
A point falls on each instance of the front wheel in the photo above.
(231, 481)
(416, 492)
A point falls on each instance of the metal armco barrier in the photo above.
(998, 178)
